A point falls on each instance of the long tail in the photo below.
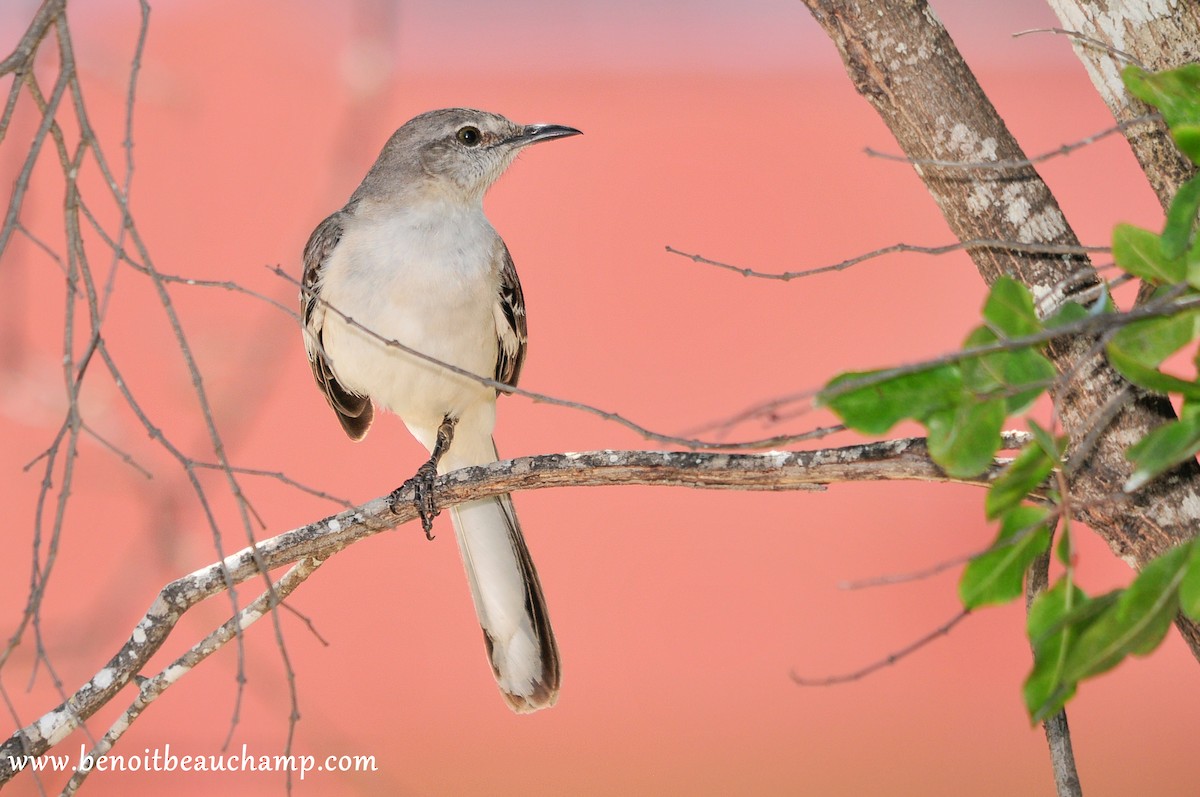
(508, 601)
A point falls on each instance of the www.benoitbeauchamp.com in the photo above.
(164, 760)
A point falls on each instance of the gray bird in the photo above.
(411, 258)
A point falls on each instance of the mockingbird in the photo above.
(412, 259)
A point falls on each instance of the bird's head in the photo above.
(459, 151)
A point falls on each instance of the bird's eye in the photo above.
(469, 136)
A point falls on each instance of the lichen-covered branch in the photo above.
(905, 459)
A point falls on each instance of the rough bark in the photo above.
(902, 60)
(1159, 35)
(906, 459)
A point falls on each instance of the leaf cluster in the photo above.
(964, 402)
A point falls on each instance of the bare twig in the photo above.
(1018, 163)
(280, 477)
(1058, 733)
(152, 688)
(888, 660)
(544, 398)
(975, 243)
(22, 55)
(1089, 40)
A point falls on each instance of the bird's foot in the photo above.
(422, 485)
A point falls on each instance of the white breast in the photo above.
(428, 278)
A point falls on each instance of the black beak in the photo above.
(531, 134)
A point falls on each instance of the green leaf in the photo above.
(1051, 633)
(876, 407)
(1069, 313)
(1018, 376)
(1176, 93)
(1163, 448)
(1054, 446)
(1027, 369)
(1135, 623)
(997, 575)
(963, 439)
(1181, 219)
(1065, 549)
(1139, 348)
(1009, 309)
(1140, 252)
(1189, 587)
(1187, 138)
(1026, 472)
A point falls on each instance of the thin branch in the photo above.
(241, 502)
(21, 185)
(1094, 42)
(152, 688)
(281, 477)
(1104, 417)
(543, 398)
(995, 244)
(135, 67)
(887, 661)
(120, 453)
(21, 56)
(1058, 733)
(1091, 325)
(1040, 495)
(228, 285)
(1017, 163)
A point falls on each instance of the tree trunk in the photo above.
(901, 59)
(1158, 36)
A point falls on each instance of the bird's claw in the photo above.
(422, 485)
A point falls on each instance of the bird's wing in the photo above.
(510, 322)
(353, 411)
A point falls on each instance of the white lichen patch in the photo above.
(334, 525)
(981, 198)
(55, 726)
(139, 635)
(1115, 23)
(104, 678)
(1183, 514)
(1016, 208)
(969, 145)
(1130, 13)
(174, 672)
(1044, 225)
(1047, 298)
(159, 608)
(248, 619)
(1033, 225)
(777, 458)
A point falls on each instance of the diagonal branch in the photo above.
(903, 459)
(19, 59)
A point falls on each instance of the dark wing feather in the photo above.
(353, 411)
(510, 326)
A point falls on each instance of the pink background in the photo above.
(728, 130)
